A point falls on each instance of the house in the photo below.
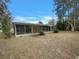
(29, 28)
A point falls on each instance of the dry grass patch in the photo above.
(64, 45)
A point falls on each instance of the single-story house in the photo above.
(28, 28)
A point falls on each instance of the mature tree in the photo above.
(40, 22)
(6, 26)
(60, 25)
(5, 18)
(3, 7)
(68, 9)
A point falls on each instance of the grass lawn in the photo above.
(64, 45)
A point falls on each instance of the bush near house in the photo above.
(41, 33)
(55, 30)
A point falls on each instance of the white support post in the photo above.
(24, 29)
(14, 29)
(32, 29)
(51, 28)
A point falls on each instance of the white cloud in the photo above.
(44, 19)
(55, 17)
(20, 18)
(47, 17)
(25, 19)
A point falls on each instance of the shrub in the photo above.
(7, 35)
(41, 33)
(6, 26)
(55, 31)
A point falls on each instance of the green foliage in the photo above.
(56, 31)
(67, 9)
(63, 25)
(41, 33)
(5, 18)
(6, 26)
(3, 8)
(60, 25)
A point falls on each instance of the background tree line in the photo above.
(68, 14)
(5, 18)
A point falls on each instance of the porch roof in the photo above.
(22, 23)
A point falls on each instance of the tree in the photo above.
(40, 22)
(68, 9)
(3, 7)
(5, 18)
(60, 25)
(6, 26)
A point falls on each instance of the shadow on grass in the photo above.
(36, 35)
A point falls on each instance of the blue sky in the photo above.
(32, 10)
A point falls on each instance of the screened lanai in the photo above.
(26, 28)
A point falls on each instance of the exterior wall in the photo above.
(23, 29)
(29, 29)
(37, 28)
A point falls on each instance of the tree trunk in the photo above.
(72, 27)
(74, 24)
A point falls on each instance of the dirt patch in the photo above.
(63, 45)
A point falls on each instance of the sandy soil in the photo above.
(64, 45)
